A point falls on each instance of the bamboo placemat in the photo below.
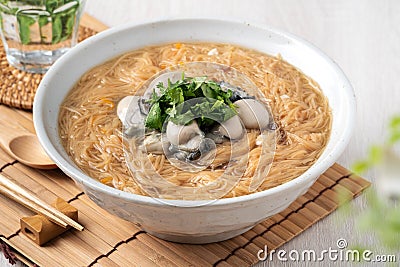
(110, 241)
(18, 88)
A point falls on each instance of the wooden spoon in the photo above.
(24, 147)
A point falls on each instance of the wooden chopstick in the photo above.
(31, 205)
(23, 197)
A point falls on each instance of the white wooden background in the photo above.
(362, 36)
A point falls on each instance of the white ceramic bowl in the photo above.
(223, 218)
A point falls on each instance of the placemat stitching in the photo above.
(116, 247)
(75, 197)
(8, 164)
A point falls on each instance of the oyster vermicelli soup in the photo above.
(288, 124)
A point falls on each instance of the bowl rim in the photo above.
(86, 181)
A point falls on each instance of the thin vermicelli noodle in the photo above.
(91, 131)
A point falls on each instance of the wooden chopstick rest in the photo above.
(41, 230)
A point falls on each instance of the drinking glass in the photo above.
(35, 33)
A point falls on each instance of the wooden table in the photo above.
(363, 37)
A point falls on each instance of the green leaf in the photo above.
(68, 28)
(43, 20)
(176, 96)
(171, 111)
(368, 220)
(198, 82)
(217, 105)
(51, 5)
(380, 216)
(171, 102)
(154, 119)
(361, 166)
(24, 24)
(63, 20)
(394, 123)
(68, 22)
(33, 2)
(183, 118)
(229, 113)
(56, 29)
(8, 10)
(208, 92)
(393, 220)
(394, 137)
(394, 128)
(375, 154)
